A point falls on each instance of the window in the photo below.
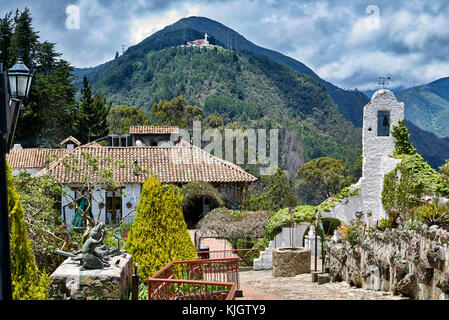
(383, 123)
(83, 199)
(113, 207)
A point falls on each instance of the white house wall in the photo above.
(131, 195)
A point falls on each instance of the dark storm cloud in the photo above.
(334, 38)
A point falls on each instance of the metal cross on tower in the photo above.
(384, 81)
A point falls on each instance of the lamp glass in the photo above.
(19, 77)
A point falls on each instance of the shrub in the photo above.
(351, 232)
(234, 224)
(159, 233)
(199, 189)
(45, 231)
(412, 178)
(432, 213)
(27, 282)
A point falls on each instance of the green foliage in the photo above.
(45, 230)
(411, 179)
(91, 118)
(444, 170)
(158, 234)
(110, 241)
(282, 218)
(329, 225)
(402, 144)
(351, 232)
(28, 282)
(234, 224)
(432, 213)
(328, 176)
(271, 192)
(195, 190)
(175, 112)
(48, 114)
(120, 118)
(344, 193)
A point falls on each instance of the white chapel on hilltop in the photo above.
(200, 43)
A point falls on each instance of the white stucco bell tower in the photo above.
(379, 116)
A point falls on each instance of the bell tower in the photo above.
(379, 116)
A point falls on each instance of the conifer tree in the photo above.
(91, 121)
(24, 39)
(159, 233)
(402, 144)
(27, 282)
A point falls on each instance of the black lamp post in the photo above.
(19, 77)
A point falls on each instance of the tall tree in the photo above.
(325, 176)
(48, 116)
(92, 114)
(24, 39)
(175, 112)
(120, 118)
(6, 32)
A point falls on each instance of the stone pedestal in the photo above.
(71, 281)
(289, 262)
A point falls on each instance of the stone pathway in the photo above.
(301, 287)
(261, 285)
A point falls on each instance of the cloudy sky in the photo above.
(348, 42)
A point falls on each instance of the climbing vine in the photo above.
(344, 193)
(411, 179)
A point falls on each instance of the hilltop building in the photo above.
(200, 43)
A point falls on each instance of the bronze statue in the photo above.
(90, 257)
(94, 254)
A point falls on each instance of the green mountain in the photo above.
(256, 86)
(253, 90)
(428, 106)
(350, 102)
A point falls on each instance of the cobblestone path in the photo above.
(261, 285)
(301, 287)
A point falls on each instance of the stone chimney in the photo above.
(17, 146)
(70, 147)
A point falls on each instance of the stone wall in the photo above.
(403, 262)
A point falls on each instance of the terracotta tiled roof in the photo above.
(170, 164)
(71, 139)
(153, 129)
(28, 158)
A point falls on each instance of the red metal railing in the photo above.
(196, 279)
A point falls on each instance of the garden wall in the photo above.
(412, 263)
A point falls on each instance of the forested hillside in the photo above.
(241, 87)
(428, 106)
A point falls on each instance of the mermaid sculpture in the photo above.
(90, 257)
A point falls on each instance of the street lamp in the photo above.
(19, 77)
